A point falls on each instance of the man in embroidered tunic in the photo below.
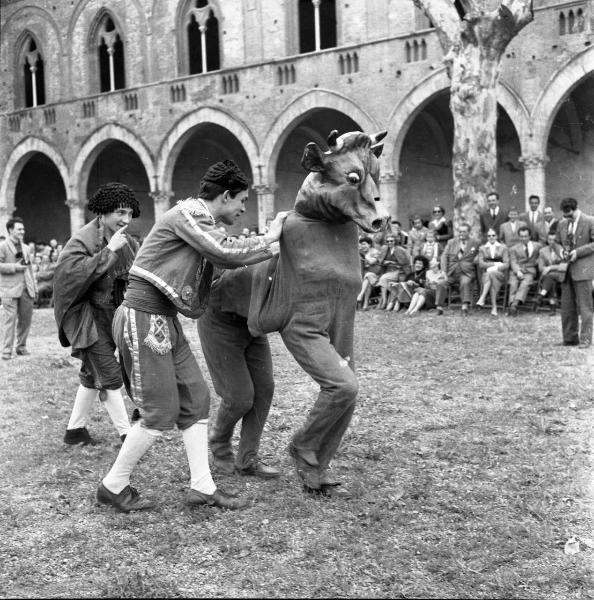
(173, 272)
(89, 284)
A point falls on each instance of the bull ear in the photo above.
(313, 158)
(378, 137)
(377, 149)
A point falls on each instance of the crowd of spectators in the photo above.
(517, 253)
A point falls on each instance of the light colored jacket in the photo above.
(12, 282)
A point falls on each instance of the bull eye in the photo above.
(354, 178)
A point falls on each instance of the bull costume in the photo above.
(310, 297)
(89, 283)
(172, 273)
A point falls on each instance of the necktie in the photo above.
(493, 213)
(526, 250)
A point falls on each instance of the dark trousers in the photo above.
(321, 341)
(576, 303)
(240, 367)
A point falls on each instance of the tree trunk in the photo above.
(473, 104)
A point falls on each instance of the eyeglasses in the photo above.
(390, 241)
(491, 235)
(436, 212)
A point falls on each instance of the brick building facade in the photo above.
(150, 92)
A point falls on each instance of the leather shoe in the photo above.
(6, 357)
(568, 344)
(80, 435)
(127, 500)
(136, 416)
(258, 469)
(329, 491)
(23, 352)
(585, 344)
(306, 465)
(219, 499)
(439, 310)
(226, 466)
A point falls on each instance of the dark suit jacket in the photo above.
(488, 222)
(452, 264)
(519, 261)
(583, 268)
(545, 228)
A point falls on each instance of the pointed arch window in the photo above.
(110, 48)
(203, 38)
(317, 25)
(33, 74)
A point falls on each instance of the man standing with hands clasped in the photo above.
(89, 284)
(576, 234)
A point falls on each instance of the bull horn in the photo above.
(333, 141)
(378, 137)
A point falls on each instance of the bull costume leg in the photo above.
(328, 359)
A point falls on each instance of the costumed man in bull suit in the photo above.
(240, 366)
(172, 273)
(89, 284)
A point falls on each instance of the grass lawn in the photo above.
(469, 457)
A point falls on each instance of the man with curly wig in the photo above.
(89, 284)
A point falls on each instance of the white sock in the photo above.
(116, 409)
(136, 444)
(196, 443)
(83, 404)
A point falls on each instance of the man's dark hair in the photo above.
(366, 239)
(523, 228)
(12, 222)
(220, 177)
(493, 194)
(533, 196)
(111, 196)
(568, 204)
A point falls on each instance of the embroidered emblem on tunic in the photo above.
(196, 208)
(187, 293)
(158, 339)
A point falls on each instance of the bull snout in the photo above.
(380, 224)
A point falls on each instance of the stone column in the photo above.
(534, 177)
(5, 215)
(77, 214)
(265, 193)
(161, 200)
(388, 183)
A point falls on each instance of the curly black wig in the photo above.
(224, 175)
(110, 196)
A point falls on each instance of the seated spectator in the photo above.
(424, 297)
(509, 231)
(365, 244)
(430, 249)
(458, 263)
(442, 228)
(493, 262)
(373, 269)
(404, 290)
(396, 262)
(416, 236)
(552, 269)
(400, 237)
(523, 259)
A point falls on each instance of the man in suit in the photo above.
(458, 263)
(549, 224)
(17, 289)
(493, 217)
(508, 232)
(523, 259)
(533, 218)
(576, 234)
